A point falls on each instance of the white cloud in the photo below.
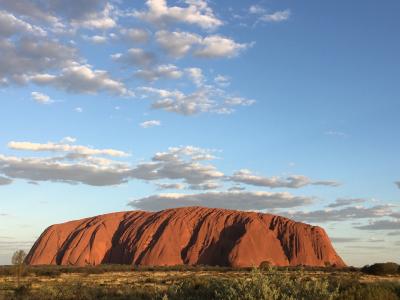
(78, 109)
(11, 25)
(41, 98)
(228, 200)
(62, 147)
(135, 35)
(135, 56)
(96, 39)
(160, 72)
(150, 123)
(223, 81)
(344, 214)
(346, 201)
(204, 99)
(68, 140)
(196, 75)
(381, 225)
(78, 78)
(170, 186)
(219, 46)
(96, 19)
(278, 16)
(179, 163)
(25, 57)
(178, 44)
(256, 9)
(292, 181)
(78, 169)
(197, 12)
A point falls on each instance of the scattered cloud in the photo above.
(25, 57)
(195, 13)
(66, 169)
(381, 225)
(62, 147)
(135, 57)
(96, 39)
(68, 140)
(78, 109)
(223, 81)
(178, 44)
(150, 123)
(179, 163)
(160, 72)
(344, 214)
(346, 201)
(10, 25)
(276, 17)
(228, 200)
(196, 75)
(135, 35)
(257, 9)
(204, 99)
(170, 186)
(78, 78)
(41, 98)
(293, 181)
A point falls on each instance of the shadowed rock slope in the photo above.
(191, 235)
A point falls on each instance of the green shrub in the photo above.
(388, 268)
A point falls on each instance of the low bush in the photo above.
(388, 268)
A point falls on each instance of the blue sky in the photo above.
(286, 107)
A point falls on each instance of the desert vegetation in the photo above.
(200, 282)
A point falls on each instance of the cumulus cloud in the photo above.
(82, 169)
(24, 57)
(41, 98)
(196, 75)
(229, 200)
(398, 184)
(135, 35)
(92, 14)
(346, 201)
(135, 57)
(10, 25)
(150, 123)
(160, 72)
(219, 46)
(179, 163)
(344, 214)
(204, 99)
(195, 13)
(293, 181)
(78, 78)
(178, 44)
(61, 147)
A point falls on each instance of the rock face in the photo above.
(191, 235)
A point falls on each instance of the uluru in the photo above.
(184, 236)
